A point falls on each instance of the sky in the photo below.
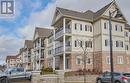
(39, 13)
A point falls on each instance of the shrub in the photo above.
(47, 71)
(80, 72)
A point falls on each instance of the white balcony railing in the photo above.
(60, 32)
(60, 49)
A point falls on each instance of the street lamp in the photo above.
(118, 14)
(85, 53)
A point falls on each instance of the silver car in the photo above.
(14, 74)
(118, 78)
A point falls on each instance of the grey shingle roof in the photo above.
(88, 15)
(43, 32)
(75, 14)
(127, 26)
(29, 43)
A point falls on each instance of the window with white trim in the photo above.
(75, 43)
(126, 34)
(105, 25)
(108, 60)
(88, 28)
(80, 27)
(118, 28)
(106, 42)
(75, 26)
(119, 44)
(126, 47)
(89, 61)
(78, 60)
(120, 60)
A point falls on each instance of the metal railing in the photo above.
(60, 32)
(60, 49)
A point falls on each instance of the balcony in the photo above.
(42, 57)
(59, 33)
(60, 49)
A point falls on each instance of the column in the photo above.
(54, 49)
(39, 53)
(64, 44)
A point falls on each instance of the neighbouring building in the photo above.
(92, 29)
(39, 45)
(61, 48)
(27, 54)
(11, 61)
(20, 58)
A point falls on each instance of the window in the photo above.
(75, 26)
(126, 47)
(90, 28)
(78, 61)
(75, 43)
(126, 34)
(117, 44)
(121, 44)
(89, 61)
(81, 27)
(106, 42)
(88, 44)
(81, 43)
(85, 27)
(120, 60)
(105, 25)
(121, 28)
(116, 27)
(108, 60)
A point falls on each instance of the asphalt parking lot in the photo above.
(20, 81)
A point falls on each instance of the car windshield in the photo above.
(127, 74)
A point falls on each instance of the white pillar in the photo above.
(40, 54)
(54, 49)
(64, 44)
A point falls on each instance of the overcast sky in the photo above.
(32, 13)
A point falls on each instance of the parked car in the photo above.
(118, 77)
(14, 74)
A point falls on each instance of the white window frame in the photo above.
(78, 58)
(106, 42)
(120, 60)
(108, 60)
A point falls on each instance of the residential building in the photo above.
(92, 29)
(28, 46)
(11, 61)
(20, 58)
(39, 45)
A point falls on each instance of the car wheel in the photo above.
(99, 81)
(117, 82)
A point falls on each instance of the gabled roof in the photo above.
(88, 15)
(127, 26)
(29, 43)
(102, 10)
(10, 57)
(75, 14)
(42, 32)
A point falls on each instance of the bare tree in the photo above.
(84, 54)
